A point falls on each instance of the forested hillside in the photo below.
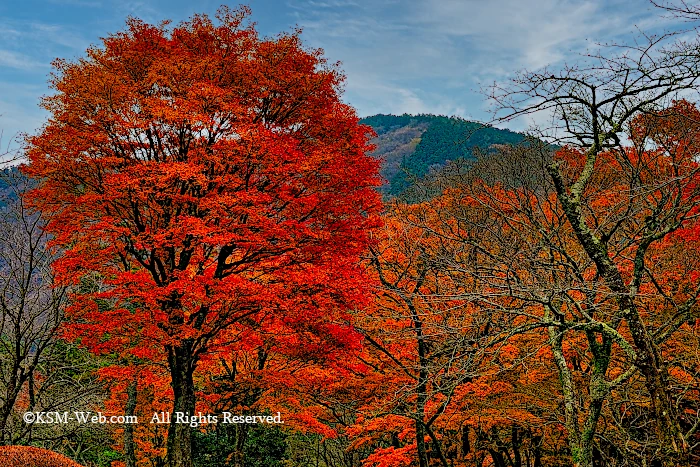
(411, 145)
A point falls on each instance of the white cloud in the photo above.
(139, 9)
(80, 3)
(434, 55)
(16, 119)
(40, 39)
(56, 35)
(529, 34)
(415, 56)
(323, 4)
(11, 59)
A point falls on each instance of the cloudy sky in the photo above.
(400, 56)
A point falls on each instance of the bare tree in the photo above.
(30, 309)
(679, 9)
(38, 372)
(594, 107)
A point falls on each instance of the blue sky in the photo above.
(414, 56)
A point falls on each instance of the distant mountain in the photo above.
(411, 145)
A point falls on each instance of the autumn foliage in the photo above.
(27, 456)
(497, 338)
(209, 192)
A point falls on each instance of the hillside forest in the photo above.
(206, 246)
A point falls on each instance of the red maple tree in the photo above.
(204, 183)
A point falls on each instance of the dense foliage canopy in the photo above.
(209, 192)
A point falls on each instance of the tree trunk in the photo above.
(4, 415)
(420, 444)
(129, 445)
(537, 451)
(11, 393)
(182, 366)
(516, 441)
(648, 360)
(422, 388)
(238, 458)
(653, 369)
(466, 447)
(580, 455)
(497, 457)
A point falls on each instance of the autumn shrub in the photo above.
(27, 456)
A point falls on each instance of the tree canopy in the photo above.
(207, 187)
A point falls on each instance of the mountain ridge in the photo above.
(410, 146)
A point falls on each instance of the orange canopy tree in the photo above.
(203, 181)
